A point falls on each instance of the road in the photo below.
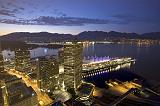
(43, 98)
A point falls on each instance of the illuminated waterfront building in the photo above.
(22, 60)
(72, 64)
(14, 92)
(99, 66)
(47, 73)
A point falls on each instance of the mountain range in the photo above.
(86, 35)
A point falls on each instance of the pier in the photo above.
(109, 65)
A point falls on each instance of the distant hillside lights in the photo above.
(152, 37)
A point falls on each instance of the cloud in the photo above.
(68, 21)
(57, 21)
(21, 8)
(3, 7)
(6, 12)
(124, 18)
(59, 13)
(9, 8)
(127, 19)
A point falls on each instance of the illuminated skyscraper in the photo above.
(22, 60)
(61, 68)
(47, 73)
(61, 60)
(72, 64)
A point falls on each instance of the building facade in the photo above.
(61, 69)
(47, 73)
(72, 56)
(22, 60)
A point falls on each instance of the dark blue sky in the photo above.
(74, 16)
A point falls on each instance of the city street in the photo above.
(43, 98)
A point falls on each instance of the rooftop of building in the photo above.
(1, 97)
(33, 75)
(7, 78)
(19, 91)
(85, 90)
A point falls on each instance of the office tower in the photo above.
(14, 92)
(22, 60)
(47, 73)
(61, 60)
(1, 60)
(61, 69)
(72, 64)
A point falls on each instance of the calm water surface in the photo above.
(148, 57)
(147, 64)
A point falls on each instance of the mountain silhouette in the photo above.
(86, 35)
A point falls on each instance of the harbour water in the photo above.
(147, 57)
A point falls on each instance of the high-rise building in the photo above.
(1, 60)
(14, 92)
(22, 60)
(47, 73)
(61, 60)
(61, 69)
(72, 64)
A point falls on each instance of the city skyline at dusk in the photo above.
(60, 16)
(79, 53)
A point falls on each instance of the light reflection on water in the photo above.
(148, 59)
(147, 64)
